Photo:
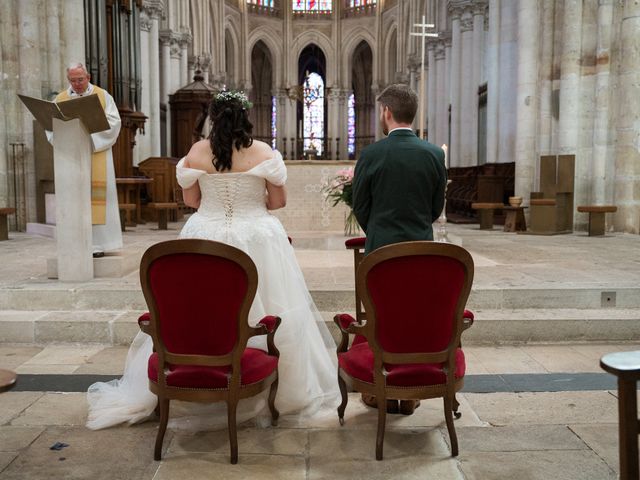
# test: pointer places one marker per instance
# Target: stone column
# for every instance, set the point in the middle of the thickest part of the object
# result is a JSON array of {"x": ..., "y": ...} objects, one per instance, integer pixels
[
  {"x": 153, "y": 126},
  {"x": 508, "y": 57},
  {"x": 142, "y": 150},
  {"x": 468, "y": 107},
  {"x": 478, "y": 10},
  {"x": 431, "y": 93},
  {"x": 55, "y": 78},
  {"x": 165, "y": 84},
  {"x": 454, "y": 87},
  {"x": 527, "y": 97},
  {"x": 176, "y": 63},
  {"x": 184, "y": 58},
  {"x": 545, "y": 125},
  {"x": 570, "y": 77},
  {"x": 493, "y": 80},
  {"x": 442, "y": 96},
  {"x": 603, "y": 165},
  {"x": 627, "y": 120}
]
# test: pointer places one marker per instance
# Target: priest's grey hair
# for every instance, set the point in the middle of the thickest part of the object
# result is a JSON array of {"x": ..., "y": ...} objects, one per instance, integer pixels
[{"x": 75, "y": 65}]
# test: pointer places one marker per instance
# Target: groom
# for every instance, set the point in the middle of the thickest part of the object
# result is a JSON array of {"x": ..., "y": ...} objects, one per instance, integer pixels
[{"x": 398, "y": 186}]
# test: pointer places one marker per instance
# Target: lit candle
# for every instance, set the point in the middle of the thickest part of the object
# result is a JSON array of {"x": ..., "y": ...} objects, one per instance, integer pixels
[{"x": 446, "y": 155}]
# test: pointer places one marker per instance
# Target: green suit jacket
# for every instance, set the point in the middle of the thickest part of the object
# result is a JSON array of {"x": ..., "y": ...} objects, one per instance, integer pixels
[{"x": 398, "y": 189}]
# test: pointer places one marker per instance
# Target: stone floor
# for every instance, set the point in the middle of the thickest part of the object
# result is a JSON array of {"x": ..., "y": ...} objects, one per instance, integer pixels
[{"x": 530, "y": 411}]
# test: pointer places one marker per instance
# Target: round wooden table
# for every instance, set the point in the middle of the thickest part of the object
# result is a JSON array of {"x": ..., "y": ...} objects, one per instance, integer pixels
[{"x": 7, "y": 380}]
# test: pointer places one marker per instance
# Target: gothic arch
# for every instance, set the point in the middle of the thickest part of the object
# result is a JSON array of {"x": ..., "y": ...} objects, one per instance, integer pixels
[
  {"x": 350, "y": 44},
  {"x": 232, "y": 51},
  {"x": 391, "y": 56},
  {"x": 267, "y": 36},
  {"x": 323, "y": 43},
  {"x": 261, "y": 91}
]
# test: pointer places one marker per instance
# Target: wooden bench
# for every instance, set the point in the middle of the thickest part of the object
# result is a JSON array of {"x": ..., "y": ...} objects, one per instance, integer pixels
[
  {"x": 163, "y": 209},
  {"x": 485, "y": 212},
  {"x": 596, "y": 217},
  {"x": 4, "y": 222},
  {"x": 124, "y": 208},
  {"x": 514, "y": 220}
]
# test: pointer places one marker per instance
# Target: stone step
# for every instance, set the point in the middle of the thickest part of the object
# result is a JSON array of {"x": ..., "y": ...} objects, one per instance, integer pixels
[
  {"x": 128, "y": 296},
  {"x": 504, "y": 326}
]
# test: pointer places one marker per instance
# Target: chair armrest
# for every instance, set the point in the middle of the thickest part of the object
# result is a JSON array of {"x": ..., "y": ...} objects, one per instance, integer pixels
[
  {"x": 144, "y": 322},
  {"x": 354, "y": 243},
  {"x": 467, "y": 319},
  {"x": 270, "y": 322},
  {"x": 348, "y": 325}
]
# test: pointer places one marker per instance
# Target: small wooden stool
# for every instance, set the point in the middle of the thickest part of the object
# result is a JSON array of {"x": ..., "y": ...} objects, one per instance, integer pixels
[
  {"x": 125, "y": 207},
  {"x": 626, "y": 366},
  {"x": 596, "y": 217},
  {"x": 4, "y": 222},
  {"x": 162, "y": 209},
  {"x": 485, "y": 212},
  {"x": 7, "y": 380},
  {"x": 514, "y": 220}
]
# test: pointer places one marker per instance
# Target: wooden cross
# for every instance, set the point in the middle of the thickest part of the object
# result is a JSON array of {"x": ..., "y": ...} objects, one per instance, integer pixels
[{"x": 424, "y": 25}]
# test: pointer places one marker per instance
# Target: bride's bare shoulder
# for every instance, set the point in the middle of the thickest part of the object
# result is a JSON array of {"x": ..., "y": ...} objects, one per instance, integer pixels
[
  {"x": 199, "y": 155},
  {"x": 261, "y": 151}
]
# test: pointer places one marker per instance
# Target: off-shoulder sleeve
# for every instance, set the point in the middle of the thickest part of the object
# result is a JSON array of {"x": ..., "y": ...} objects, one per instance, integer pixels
[
  {"x": 187, "y": 176},
  {"x": 273, "y": 170}
]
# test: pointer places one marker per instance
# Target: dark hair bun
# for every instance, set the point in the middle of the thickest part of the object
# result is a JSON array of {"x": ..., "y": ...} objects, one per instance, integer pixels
[{"x": 231, "y": 127}]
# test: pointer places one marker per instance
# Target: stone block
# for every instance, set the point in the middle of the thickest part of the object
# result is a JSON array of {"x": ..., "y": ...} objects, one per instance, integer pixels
[{"x": 74, "y": 326}]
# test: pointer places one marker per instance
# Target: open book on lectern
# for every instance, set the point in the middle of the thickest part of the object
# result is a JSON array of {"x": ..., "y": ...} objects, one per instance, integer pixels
[{"x": 87, "y": 108}]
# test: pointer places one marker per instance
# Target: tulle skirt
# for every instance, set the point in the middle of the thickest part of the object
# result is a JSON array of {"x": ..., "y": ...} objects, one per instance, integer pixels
[{"x": 307, "y": 366}]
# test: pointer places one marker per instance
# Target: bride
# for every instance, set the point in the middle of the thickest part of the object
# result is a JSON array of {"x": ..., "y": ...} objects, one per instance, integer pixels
[{"x": 234, "y": 181}]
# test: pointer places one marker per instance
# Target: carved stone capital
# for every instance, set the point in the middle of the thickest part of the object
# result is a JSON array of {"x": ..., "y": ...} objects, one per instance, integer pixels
[
  {"x": 466, "y": 21},
  {"x": 153, "y": 8},
  {"x": 145, "y": 21}
]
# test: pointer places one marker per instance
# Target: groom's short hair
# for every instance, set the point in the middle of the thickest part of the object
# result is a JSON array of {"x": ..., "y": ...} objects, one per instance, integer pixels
[{"x": 401, "y": 100}]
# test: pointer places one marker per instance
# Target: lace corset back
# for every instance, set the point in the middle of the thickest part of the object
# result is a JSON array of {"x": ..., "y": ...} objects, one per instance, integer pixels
[{"x": 230, "y": 195}]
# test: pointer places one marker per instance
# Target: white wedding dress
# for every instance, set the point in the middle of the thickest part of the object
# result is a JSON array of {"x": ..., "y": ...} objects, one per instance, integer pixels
[{"x": 232, "y": 210}]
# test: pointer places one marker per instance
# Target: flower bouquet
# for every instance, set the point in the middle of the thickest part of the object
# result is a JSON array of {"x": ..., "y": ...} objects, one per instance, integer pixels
[{"x": 340, "y": 189}]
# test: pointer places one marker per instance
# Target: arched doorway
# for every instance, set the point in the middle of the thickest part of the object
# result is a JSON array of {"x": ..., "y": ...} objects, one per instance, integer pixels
[
  {"x": 261, "y": 81},
  {"x": 229, "y": 60},
  {"x": 363, "y": 98},
  {"x": 312, "y": 107}
]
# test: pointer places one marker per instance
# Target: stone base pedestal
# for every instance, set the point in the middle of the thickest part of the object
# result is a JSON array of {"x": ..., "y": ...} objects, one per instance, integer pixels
[{"x": 109, "y": 266}]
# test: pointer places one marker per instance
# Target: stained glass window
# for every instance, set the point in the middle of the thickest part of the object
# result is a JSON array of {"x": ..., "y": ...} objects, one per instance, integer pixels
[
  {"x": 311, "y": 5},
  {"x": 361, "y": 3},
  {"x": 351, "y": 125},
  {"x": 313, "y": 113},
  {"x": 274, "y": 128},
  {"x": 262, "y": 3}
]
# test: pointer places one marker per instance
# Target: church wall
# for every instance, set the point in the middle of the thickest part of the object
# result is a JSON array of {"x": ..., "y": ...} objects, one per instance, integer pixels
[{"x": 38, "y": 39}]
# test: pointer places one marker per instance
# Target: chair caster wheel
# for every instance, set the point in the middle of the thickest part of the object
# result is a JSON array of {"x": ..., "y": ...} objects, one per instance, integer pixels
[{"x": 341, "y": 419}]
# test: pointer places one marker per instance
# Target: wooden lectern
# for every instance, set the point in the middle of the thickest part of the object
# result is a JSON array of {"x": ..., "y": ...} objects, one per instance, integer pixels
[{"x": 72, "y": 123}]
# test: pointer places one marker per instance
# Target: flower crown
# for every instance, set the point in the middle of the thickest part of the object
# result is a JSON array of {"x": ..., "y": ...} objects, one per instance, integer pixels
[{"x": 233, "y": 95}]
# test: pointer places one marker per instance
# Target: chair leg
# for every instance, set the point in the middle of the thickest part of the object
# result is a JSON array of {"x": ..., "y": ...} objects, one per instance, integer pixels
[
  {"x": 382, "y": 419},
  {"x": 163, "y": 403},
  {"x": 456, "y": 406},
  {"x": 448, "y": 409},
  {"x": 233, "y": 432},
  {"x": 272, "y": 403},
  {"x": 345, "y": 398}
]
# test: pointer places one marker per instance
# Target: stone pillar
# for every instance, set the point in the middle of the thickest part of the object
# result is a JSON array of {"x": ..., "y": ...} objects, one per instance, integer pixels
[
  {"x": 527, "y": 97},
  {"x": 176, "y": 61},
  {"x": 454, "y": 87},
  {"x": 55, "y": 78},
  {"x": 627, "y": 115},
  {"x": 165, "y": 84},
  {"x": 142, "y": 149},
  {"x": 603, "y": 165},
  {"x": 153, "y": 126},
  {"x": 184, "y": 59},
  {"x": 545, "y": 124},
  {"x": 431, "y": 94},
  {"x": 493, "y": 80},
  {"x": 468, "y": 107},
  {"x": 442, "y": 95},
  {"x": 570, "y": 77},
  {"x": 508, "y": 57},
  {"x": 281, "y": 124}
]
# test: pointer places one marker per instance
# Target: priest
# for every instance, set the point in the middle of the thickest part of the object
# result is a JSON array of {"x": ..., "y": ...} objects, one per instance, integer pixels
[{"x": 104, "y": 196}]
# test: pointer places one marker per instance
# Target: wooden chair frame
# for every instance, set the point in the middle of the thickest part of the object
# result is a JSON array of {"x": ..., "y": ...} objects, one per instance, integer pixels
[
  {"x": 235, "y": 390},
  {"x": 381, "y": 357}
]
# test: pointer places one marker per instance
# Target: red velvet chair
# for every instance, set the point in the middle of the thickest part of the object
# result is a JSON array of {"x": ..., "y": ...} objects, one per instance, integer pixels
[
  {"x": 414, "y": 294},
  {"x": 199, "y": 293}
]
